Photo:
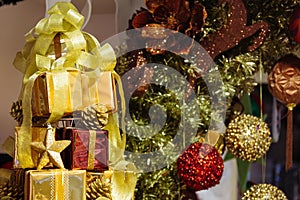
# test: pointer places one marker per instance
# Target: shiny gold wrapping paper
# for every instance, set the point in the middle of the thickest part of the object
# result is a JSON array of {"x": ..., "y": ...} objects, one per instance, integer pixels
[
  {"x": 106, "y": 91},
  {"x": 38, "y": 135},
  {"x": 84, "y": 89},
  {"x": 55, "y": 184}
]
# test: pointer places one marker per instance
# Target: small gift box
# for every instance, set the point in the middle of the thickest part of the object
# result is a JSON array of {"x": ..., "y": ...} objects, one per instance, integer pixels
[
  {"x": 89, "y": 149},
  {"x": 55, "y": 184},
  {"x": 74, "y": 90}
]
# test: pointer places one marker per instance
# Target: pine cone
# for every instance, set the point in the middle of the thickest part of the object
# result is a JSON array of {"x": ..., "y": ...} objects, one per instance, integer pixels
[
  {"x": 8, "y": 191},
  {"x": 16, "y": 111},
  {"x": 94, "y": 117},
  {"x": 98, "y": 188}
]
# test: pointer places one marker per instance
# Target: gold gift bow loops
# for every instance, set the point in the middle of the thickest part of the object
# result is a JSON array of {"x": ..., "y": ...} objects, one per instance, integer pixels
[
  {"x": 76, "y": 41},
  {"x": 32, "y": 62},
  {"x": 63, "y": 18},
  {"x": 105, "y": 54}
]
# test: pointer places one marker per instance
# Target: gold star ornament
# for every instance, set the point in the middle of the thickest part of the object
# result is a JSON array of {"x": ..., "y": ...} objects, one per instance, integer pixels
[{"x": 50, "y": 149}]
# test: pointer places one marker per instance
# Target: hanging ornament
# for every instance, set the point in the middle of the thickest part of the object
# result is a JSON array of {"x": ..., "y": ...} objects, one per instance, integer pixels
[
  {"x": 200, "y": 166},
  {"x": 264, "y": 191},
  {"x": 294, "y": 25},
  {"x": 284, "y": 85},
  {"x": 247, "y": 137}
]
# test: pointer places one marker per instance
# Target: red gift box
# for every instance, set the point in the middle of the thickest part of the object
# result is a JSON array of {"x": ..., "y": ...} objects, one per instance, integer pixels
[{"x": 89, "y": 149}]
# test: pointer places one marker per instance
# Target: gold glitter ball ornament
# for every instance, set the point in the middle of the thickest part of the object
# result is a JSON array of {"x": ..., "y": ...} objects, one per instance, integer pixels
[
  {"x": 264, "y": 191},
  {"x": 247, "y": 137}
]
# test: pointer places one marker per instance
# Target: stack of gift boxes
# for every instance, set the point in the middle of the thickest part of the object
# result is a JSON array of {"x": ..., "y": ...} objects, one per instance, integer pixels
[{"x": 68, "y": 142}]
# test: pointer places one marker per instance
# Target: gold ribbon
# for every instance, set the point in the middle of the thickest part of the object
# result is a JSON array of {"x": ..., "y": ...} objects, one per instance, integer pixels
[
  {"x": 65, "y": 19},
  {"x": 91, "y": 150},
  {"x": 123, "y": 180},
  {"x": 59, "y": 86},
  {"x": 25, "y": 137},
  {"x": 117, "y": 141},
  {"x": 124, "y": 176},
  {"x": 33, "y": 61},
  {"x": 54, "y": 186},
  {"x": 59, "y": 186}
]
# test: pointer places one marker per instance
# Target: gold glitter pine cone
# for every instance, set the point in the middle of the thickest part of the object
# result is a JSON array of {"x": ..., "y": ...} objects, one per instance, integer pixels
[
  {"x": 94, "y": 117},
  {"x": 247, "y": 137},
  {"x": 8, "y": 191},
  {"x": 264, "y": 191},
  {"x": 98, "y": 188}
]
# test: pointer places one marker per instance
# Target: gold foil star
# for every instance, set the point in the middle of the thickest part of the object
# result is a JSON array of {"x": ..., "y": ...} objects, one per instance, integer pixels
[{"x": 50, "y": 150}]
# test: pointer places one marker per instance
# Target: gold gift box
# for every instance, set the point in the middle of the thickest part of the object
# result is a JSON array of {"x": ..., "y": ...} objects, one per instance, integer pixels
[
  {"x": 55, "y": 184},
  {"x": 84, "y": 89},
  {"x": 38, "y": 135}
]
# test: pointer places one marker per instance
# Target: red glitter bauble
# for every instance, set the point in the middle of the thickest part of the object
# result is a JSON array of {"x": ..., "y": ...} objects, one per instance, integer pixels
[
  {"x": 200, "y": 166},
  {"x": 295, "y": 25}
]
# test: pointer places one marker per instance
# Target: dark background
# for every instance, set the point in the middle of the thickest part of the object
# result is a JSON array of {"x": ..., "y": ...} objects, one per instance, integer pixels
[{"x": 276, "y": 174}]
